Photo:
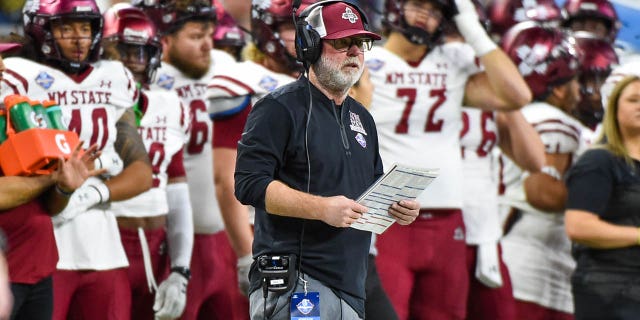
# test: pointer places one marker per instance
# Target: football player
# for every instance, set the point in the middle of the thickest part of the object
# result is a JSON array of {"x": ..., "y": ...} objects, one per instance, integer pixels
[
  {"x": 228, "y": 36},
  {"x": 504, "y": 14},
  {"x": 26, "y": 206},
  {"x": 597, "y": 59},
  {"x": 596, "y": 16},
  {"x": 129, "y": 36},
  {"x": 420, "y": 87},
  {"x": 535, "y": 247},
  {"x": 270, "y": 63},
  {"x": 188, "y": 63},
  {"x": 96, "y": 97},
  {"x": 490, "y": 292}
]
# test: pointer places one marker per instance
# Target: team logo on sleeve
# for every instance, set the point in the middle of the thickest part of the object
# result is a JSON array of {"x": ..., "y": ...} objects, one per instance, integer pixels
[
  {"x": 166, "y": 81},
  {"x": 44, "y": 80},
  {"x": 268, "y": 83},
  {"x": 374, "y": 64}
]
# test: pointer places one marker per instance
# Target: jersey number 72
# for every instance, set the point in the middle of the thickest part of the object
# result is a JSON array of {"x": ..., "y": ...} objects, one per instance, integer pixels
[{"x": 431, "y": 125}]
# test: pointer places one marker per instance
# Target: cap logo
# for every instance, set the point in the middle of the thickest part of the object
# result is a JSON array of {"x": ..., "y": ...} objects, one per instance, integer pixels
[{"x": 349, "y": 15}]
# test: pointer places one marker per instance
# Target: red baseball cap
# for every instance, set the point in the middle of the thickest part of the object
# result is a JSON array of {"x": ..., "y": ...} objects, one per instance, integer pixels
[
  {"x": 338, "y": 20},
  {"x": 4, "y": 47}
]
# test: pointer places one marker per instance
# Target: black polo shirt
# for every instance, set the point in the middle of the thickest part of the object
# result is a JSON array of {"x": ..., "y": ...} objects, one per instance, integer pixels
[{"x": 344, "y": 160}]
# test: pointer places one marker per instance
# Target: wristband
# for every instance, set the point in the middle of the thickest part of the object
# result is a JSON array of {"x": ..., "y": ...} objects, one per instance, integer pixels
[
  {"x": 103, "y": 191},
  {"x": 638, "y": 240},
  {"x": 183, "y": 271},
  {"x": 552, "y": 171},
  {"x": 63, "y": 193}
]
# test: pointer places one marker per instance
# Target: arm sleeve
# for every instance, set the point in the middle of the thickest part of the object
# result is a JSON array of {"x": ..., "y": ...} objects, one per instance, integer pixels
[
  {"x": 261, "y": 151},
  {"x": 179, "y": 224},
  {"x": 590, "y": 182}
]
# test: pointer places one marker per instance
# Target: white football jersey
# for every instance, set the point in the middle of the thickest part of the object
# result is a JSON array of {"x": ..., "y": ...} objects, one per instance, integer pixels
[
  {"x": 478, "y": 138},
  {"x": 91, "y": 106},
  {"x": 244, "y": 78},
  {"x": 164, "y": 131},
  {"x": 198, "y": 158},
  {"x": 559, "y": 132},
  {"x": 537, "y": 249},
  {"x": 418, "y": 110}
]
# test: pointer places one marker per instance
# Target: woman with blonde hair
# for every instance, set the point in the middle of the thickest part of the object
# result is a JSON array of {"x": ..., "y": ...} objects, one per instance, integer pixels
[{"x": 603, "y": 213}]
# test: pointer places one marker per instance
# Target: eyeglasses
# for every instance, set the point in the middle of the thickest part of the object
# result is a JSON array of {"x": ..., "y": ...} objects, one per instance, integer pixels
[{"x": 343, "y": 44}]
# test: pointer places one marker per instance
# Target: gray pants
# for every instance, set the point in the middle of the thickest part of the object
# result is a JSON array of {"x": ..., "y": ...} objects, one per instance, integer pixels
[{"x": 278, "y": 305}]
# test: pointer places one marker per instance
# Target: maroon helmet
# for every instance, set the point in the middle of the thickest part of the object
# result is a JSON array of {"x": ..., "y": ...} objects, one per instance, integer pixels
[
  {"x": 597, "y": 58},
  {"x": 597, "y": 9},
  {"x": 596, "y": 55},
  {"x": 128, "y": 25},
  {"x": 170, "y": 15},
  {"x": 266, "y": 17},
  {"x": 394, "y": 20},
  {"x": 546, "y": 57},
  {"x": 38, "y": 17},
  {"x": 228, "y": 33},
  {"x": 504, "y": 14}
]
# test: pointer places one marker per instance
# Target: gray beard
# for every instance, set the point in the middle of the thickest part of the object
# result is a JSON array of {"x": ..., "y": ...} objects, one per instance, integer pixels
[{"x": 332, "y": 78}]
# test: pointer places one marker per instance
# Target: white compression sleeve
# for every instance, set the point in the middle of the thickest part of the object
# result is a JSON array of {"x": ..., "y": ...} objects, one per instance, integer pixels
[{"x": 179, "y": 224}]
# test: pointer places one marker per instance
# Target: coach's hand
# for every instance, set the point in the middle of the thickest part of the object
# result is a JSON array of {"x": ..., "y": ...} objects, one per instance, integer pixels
[
  {"x": 405, "y": 211},
  {"x": 171, "y": 297},
  {"x": 341, "y": 212}
]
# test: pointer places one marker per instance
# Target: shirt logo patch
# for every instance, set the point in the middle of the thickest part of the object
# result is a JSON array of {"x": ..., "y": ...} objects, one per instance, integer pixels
[
  {"x": 361, "y": 140},
  {"x": 165, "y": 81},
  {"x": 374, "y": 64},
  {"x": 356, "y": 124},
  {"x": 44, "y": 80},
  {"x": 268, "y": 83}
]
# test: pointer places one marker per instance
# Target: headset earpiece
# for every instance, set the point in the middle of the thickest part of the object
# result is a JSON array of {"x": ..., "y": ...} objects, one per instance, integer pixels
[{"x": 308, "y": 43}]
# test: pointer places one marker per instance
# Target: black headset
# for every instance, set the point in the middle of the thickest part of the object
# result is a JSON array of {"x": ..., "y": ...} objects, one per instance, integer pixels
[{"x": 308, "y": 41}]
